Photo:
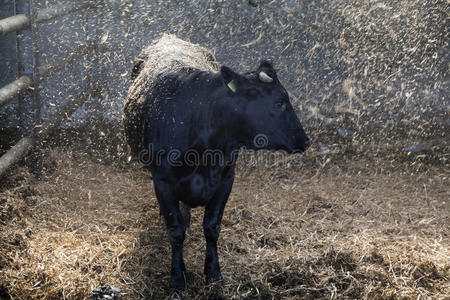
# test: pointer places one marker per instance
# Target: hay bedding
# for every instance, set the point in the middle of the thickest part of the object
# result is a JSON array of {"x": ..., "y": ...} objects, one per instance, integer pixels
[{"x": 339, "y": 235}]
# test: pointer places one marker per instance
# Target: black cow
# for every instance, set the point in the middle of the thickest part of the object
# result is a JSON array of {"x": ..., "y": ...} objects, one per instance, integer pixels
[{"x": 194, "y": 124}]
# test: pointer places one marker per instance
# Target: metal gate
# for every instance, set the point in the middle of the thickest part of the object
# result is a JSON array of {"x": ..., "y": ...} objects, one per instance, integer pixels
[{"x": 30, "y": 77}]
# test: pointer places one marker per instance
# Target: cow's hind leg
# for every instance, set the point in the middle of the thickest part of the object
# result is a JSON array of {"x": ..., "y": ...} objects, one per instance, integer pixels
[
  {"x": 186, "y": 213},
  {"x": 211, "y": 228},
  {"x": 176, "y": 229}
]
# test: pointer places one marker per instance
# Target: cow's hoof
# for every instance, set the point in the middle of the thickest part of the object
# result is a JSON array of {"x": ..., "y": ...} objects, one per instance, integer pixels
[
  {"x": 176, "y": 294},
  {"x": 177, "y": 285},
  {"x": 213, "y": 279}
]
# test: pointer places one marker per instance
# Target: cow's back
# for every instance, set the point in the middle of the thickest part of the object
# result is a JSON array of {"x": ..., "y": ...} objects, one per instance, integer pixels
[{"x": 152, "y": 80}]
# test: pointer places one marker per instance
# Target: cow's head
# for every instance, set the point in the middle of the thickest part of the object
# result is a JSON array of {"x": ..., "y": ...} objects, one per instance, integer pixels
[{"x": 267, "y": 119}]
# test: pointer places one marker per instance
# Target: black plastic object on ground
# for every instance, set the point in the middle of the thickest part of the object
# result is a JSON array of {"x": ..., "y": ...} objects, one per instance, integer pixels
[{"x": 106, "y": 292}]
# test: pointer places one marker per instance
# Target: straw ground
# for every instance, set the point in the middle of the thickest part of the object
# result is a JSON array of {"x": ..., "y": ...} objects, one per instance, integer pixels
[{"x": 347, "y": 230}]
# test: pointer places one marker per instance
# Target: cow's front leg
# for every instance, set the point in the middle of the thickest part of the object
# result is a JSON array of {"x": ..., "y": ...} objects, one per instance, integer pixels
[
  {"x": 176, "y": 235},
  {"x": 176, "y": 228},
  {"x": 211, "y": 228}
]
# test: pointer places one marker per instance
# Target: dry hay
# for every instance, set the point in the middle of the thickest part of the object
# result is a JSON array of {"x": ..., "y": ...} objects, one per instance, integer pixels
[
  {"x": 363, "y": 233},
  {"x": 165, "y": 56}
]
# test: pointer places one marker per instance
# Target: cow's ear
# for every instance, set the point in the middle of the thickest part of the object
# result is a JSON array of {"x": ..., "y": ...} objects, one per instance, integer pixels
[
  {"x": 230, "y": 78},
  {"x": 228, "y": 74},
  {"x": 266, "y": 67},
  {"x": 265, "y": 64}
]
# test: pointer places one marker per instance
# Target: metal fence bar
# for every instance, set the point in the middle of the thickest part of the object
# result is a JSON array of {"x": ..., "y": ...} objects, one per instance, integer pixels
[
  {"x": 14, "y": 154},
  {"x": 9, "y": 91},
  {"x": 20, "y": 149},
  {"x": 59, "y": 63},
  {"x": 57, "y": 11},
  {"x": 36, "y": 76},
  {"x": 20, "y": 71},
  {"x": 67, "y": 110},
  {"x": 14, "y": 23},
  {"x": 22, "y": 21}
]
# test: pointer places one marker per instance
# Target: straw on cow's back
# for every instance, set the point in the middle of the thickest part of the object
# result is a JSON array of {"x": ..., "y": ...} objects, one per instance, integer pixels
[{"x": 163, "y": 57}]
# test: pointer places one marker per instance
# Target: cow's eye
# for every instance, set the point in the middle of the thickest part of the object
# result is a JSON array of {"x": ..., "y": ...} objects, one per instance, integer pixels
[{"x": 281, "y": 106}]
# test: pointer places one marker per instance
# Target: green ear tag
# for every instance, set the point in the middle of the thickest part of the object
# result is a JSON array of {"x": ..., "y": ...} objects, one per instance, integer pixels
[{"x": 232, "y": 86}]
